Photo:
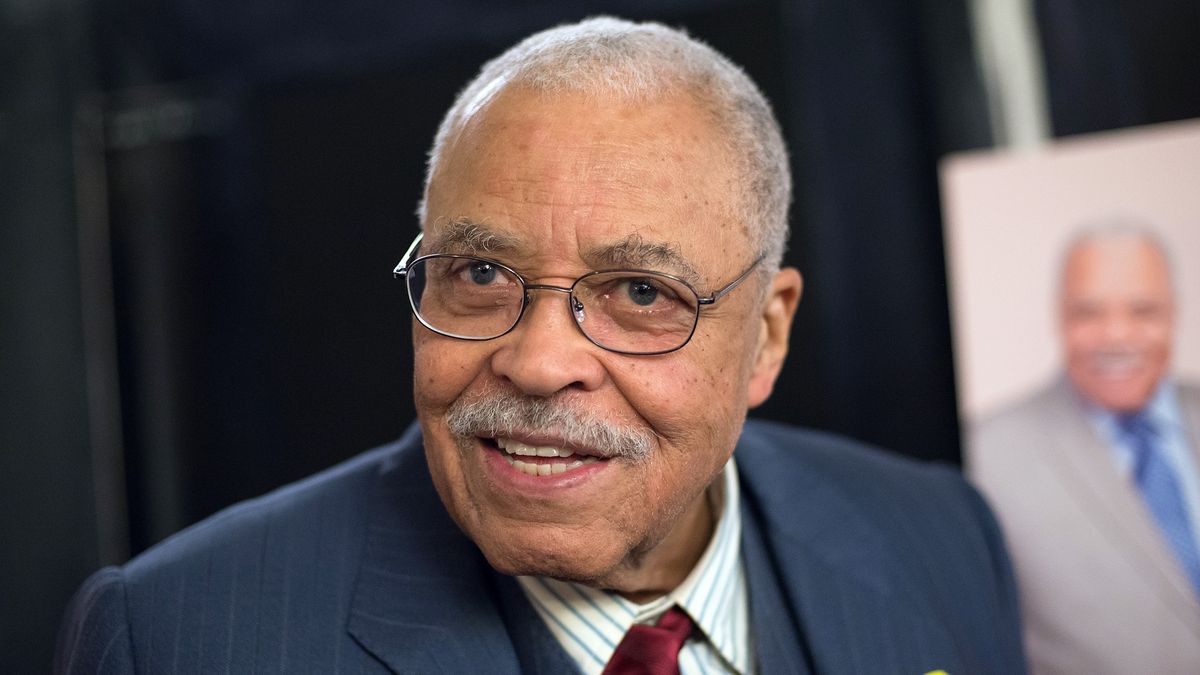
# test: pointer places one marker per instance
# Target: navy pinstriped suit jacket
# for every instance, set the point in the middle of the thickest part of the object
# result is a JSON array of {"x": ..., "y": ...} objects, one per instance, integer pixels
[{"x": 857, "y": 562}]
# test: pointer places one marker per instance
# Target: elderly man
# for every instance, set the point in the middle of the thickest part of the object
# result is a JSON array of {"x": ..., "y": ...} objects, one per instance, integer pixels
[
  {"x": 1094, "y": 477},
  {"x": 598, "y": 300}
]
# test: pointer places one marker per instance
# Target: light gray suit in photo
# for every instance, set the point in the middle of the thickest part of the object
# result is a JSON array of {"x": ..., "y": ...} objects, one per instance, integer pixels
[{"x": 1100, "y": 590}]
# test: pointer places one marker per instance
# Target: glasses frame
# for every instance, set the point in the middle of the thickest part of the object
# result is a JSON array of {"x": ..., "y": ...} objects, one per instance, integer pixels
[{"x": 573, "y": 304}]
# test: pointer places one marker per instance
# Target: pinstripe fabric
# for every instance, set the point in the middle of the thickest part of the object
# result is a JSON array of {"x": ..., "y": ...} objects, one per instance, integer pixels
[
  {"x": 590, "y": 623},
  {"x": 261, "y": 587}
]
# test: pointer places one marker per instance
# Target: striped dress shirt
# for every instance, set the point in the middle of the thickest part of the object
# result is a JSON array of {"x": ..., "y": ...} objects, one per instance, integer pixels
[{"x": 590, "y": 623}]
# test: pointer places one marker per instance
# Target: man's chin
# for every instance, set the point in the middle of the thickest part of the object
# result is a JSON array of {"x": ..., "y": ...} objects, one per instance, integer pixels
[
  {"x": 589, "y": 567},
  {"x": 1122, "y": 398},
  {"x": 1116, "y": 392}
]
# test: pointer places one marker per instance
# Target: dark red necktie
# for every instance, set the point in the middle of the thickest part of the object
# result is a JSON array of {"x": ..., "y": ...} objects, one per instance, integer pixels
[{"x": 652, "y": 650}]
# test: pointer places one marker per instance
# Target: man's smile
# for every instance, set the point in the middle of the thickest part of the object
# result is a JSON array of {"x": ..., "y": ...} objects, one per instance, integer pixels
[
  {"x": 542, "y": 460},
  {"x": 1116, "y": 365},
  {"x": 541, "y": 469}
]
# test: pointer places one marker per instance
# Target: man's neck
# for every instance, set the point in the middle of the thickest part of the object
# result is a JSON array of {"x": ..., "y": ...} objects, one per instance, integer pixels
[{"x": 664, "y": 568}]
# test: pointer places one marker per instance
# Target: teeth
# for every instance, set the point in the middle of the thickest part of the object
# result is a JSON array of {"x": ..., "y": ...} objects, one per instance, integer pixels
[
  {"x": 514, "y": 449},
  {"x": 1116, "y": 364},
  {"x": 534, "y": 469},
  {"x": 517, "y": 448}
]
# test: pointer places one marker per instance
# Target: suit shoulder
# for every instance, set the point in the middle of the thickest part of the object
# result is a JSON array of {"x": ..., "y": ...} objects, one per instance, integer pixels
[
  {"x": 94, "y": 636},
  {"x": 793, "y": 453},
  {"x": 1189, "y": 393},
  {"x": 219, "y": 591},
  {"x": 312, "y": 508},
  {"x": 916, "y": 532},
  {"x": 1007, "y": 442},
  {"x": 1021, "y": 422},
  {"x": 1028, "y": 409},
  {"x": 897, "y": 501}
]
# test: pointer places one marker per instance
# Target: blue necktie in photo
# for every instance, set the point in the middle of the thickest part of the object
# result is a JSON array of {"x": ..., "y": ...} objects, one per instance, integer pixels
[{"x": 1162, "y": 493}]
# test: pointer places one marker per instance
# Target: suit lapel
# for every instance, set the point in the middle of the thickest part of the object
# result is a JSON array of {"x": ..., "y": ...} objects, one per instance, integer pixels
[
  {"x": 1189, "y": 408},
  {"x": 537, "y": 649},
  {"x": 423, "y": 602},
  {"x": 824, "y": 597},
  {"x": 778, "y": 642},
  {"x": 1086, "y": 471}
]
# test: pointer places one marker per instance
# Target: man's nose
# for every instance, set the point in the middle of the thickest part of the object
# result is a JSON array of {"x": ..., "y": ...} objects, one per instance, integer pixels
[
  {"x": 546, "y": 352},
  {"x": 1118, "y": 326}
]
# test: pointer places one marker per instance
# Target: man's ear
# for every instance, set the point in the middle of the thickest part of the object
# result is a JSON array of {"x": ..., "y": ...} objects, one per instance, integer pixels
[{"x": 776, "y": 326}]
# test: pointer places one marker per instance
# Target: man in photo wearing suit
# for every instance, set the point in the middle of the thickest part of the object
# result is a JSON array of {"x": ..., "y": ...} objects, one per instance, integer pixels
[
  {"x": 1094, "y": 478},
  {"x": 598, "y": 300}
]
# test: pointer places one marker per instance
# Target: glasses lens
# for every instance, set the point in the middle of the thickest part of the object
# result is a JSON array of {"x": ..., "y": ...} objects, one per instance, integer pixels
[
  {"x": 464, "y": 297},
  {"x": 635, "y": 312}
]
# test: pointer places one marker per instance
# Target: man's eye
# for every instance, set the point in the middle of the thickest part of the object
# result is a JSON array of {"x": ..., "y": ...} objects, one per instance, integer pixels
[
  {"x": 482, "y": 273},
  {"x": 1148, "y": 310},
  {"x": 1083, "y": 312},
  {"x": 642, "y": 291}
]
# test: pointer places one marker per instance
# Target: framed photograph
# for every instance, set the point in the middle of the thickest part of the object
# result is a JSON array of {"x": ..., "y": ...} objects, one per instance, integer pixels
[{"x": 1009, "y": 216}]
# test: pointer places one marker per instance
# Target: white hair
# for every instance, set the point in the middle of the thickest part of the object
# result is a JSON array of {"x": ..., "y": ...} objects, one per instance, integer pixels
[
  {"x": 1114, "y": 228},
  {"x": 636, "y": 62}
]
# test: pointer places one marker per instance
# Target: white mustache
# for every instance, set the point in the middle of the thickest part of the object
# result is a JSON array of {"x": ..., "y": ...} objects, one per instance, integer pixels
[{"x": 502, "y": 414}]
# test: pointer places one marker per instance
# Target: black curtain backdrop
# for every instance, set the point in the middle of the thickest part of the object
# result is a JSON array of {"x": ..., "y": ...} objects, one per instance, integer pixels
[
  {"x": 1119, "y": 63},
  {"x": 202, "y": 203}
]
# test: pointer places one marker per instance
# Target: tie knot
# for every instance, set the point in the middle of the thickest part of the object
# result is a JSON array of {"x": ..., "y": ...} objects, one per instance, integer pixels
[
  {"x": 1143, "y": 440},
  {"x": 676, "y": 623},
  {"x": 1137, "y": 425},
  {"x": 652, "y": 650}
]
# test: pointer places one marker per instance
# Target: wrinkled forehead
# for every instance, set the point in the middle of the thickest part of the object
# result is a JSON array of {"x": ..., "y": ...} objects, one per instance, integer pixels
[{"x": 644, "y": 186}]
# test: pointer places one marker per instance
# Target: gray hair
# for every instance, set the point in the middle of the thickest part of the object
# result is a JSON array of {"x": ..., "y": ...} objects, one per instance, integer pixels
[
  {"x": 641, "y": 62},
  {"x": 1112, "y": 228}
]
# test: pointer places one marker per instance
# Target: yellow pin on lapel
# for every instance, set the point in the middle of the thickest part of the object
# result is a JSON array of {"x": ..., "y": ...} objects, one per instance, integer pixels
[{"x": 937, "y": 672}]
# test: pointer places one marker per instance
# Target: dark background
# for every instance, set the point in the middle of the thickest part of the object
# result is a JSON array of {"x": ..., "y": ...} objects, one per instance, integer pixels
[{"x": 201, "y": 202}]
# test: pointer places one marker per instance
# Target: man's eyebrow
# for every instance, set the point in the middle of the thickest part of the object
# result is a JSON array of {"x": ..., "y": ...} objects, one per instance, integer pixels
[
  {"x": 467, "y": 237},
  {"x": 634, "y": 252}
]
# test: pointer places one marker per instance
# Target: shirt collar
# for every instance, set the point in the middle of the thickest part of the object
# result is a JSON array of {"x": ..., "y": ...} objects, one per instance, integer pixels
[
  {"x": 1162, "y": 411},
  {"x": 589, "y": 623}
]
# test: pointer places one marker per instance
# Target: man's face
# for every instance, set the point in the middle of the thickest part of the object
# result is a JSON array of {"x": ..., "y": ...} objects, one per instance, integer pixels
[
  {"x": 1116, "y": 315},
  {"x": 569, "y": 185}
]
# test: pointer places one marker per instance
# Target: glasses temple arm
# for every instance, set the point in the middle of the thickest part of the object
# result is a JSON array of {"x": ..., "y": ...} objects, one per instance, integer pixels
[
  {"x": 731, "y": 285},
  {"x": 402, "y": 267}
]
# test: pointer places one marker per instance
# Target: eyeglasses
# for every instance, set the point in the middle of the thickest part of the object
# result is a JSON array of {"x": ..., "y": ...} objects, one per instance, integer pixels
[{"x": 638, "y": 312}]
